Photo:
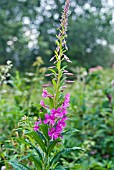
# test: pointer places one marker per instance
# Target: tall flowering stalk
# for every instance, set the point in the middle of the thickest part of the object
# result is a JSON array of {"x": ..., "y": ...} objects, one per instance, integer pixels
[
  {"x": 49, "y": 129},
  {"x": 57, "y": 110}
]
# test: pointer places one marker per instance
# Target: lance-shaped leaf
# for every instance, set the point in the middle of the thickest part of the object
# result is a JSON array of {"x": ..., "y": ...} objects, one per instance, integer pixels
[
  {"x": 35, "y": 148},
  {"x": 70, "y": 131},
  {"x": 38, "y": 139},
  {"x": 52, "y": 145},
  {"x": 66, "y": 150},
  {"x": 42, "y": 136},
  {"x": 18, "y": 166},
  {"x": 52, "y": 70},
  {"x": 54, "y": 83},
  {"x": 44, "y": 129},
  {"x": 51, "y": 102},
  {"x": 36, "y": 162}
]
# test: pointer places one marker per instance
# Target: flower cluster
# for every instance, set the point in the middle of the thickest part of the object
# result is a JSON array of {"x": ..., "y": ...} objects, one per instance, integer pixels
[{"x": 56, "y": 119}]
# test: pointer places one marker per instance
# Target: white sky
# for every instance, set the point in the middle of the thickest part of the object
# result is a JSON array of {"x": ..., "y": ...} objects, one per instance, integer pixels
[{"x": 110, "y": 2}]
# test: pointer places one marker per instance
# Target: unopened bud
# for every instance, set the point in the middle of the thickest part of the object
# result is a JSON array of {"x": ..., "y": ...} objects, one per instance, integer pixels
[{"x": 69, "y": 81}]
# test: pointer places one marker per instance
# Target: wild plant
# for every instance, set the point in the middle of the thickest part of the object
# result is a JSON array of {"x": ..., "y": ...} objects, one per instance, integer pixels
[{"x": 46, "y": 137}]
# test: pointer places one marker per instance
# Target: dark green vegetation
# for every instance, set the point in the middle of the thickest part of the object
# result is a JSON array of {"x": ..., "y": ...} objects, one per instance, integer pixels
[
  {"x": 28, "y": 29},
  {"x": 91, "y": 112}
]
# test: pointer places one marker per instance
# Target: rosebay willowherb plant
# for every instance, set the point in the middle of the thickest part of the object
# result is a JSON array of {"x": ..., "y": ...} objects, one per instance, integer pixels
[{"x": 47, "y": 134}]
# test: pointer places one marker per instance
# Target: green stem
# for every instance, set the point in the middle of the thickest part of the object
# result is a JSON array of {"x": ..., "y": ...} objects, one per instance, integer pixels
[{"x": 59, "y": 76}]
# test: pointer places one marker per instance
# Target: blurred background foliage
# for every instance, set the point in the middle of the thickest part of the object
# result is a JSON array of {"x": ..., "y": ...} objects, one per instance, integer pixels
[{"x": 28, "y": 28}]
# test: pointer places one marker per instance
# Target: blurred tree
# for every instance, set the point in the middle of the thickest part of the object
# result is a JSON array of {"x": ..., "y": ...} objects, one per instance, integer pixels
[
  {"x": 16, "y": 25},
  {"x": 90, "y": 32},
  {"x": 28, "y": 29}
]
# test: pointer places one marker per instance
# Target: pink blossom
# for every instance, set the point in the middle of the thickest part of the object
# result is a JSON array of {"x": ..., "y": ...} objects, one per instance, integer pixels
[
  {"x": 49, "y": 119},
  {"x": 36, "y": 126},
  {"x": 57, "y": 113},
  {"x": 62, "y": 122},
  {"x": 54, "y": 133},
  {"x": 66, "y": 101},
  {"x": 45, "y": 93},
  {"x": 64, "y": 111},
  {"x": 65, "y": 104},
  {"x": 67, "y": 97},
  {"x": 42, "y": 103},
  {"x": 93, "y": 69}
]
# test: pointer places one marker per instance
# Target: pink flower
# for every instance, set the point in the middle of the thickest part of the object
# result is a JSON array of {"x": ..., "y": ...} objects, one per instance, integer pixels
[
  {"x": 54, "y": 133},
  {"x": 67, "y": 97},
  {"x": 49, "y": 119},
  {"x": 64, "y": 111},
  {"x": 93, "y": 69},
  {"x": 45, "y": 93},
  {"x": 57, "y": 113},
  {"x": 66, "y": 101},
  {"x": 36, "y": 126},
  {"x": 42, "y": 103},
  {"x": 62, "y": 122}
]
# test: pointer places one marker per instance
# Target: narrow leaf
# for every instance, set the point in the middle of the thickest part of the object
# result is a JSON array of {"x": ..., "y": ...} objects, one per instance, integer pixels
[
  {"x": 36, "y": 149},
  {"x": 51, "y": 102},
  {"x": 52, "y": 145},
  {"x": 66, "y": 150},
  {"x": 52, "y": 70},
  {"x": 44, "y": 129},
  {"x": 18, "y": 166},
  {"x": 36, "y": 162},
  {"x": 38, "y": 139}
]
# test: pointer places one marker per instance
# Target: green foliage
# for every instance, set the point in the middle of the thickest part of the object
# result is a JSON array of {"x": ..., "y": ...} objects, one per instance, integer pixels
[{"x": 92, "y": 114}]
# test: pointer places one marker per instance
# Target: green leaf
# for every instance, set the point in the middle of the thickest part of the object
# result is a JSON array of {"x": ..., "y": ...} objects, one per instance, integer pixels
[
  {"x": 38, "y": 139},
  {"x": 70, "y": 131},
  {"x": 77, "y": 167},
  {"x": 58, "y": 65},
  {"x": 66, "y": 150},
  {"x": 44, "y": 129},
  {"x": 59, "y": 168},
  {"x": 54, "y": 83},
  {"x": 63, "y": 68},
  {"x": 42, "y": 136},
  {"x": 57, "y": 42},
  {"x": 61, "y": 73},
  {"x": 51, "y": 92},
  {"x": 51, "y": 102},
  {"x": 56, "y": 53},
  {"x": 36, "y": 149},
  {"x": 24, "y": 157},
  {"x": 52, "y": 145},
  {"x": 62, "y": 82},
  {"x": 52, "y": 70},
  {"x": 61, "y": 102},
  {"x": 18, "y": 166},
  {"x": 36, "y": 162}
]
